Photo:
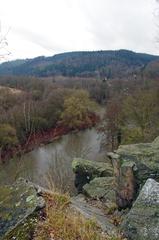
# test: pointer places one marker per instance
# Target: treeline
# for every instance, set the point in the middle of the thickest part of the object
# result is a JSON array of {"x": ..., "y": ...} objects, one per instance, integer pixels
[
  {"x": 29, "y": 106},
  {"x": 109, "y": 64},
  {"x": 96, "y": 87},
  {"x": 132, "y": 115}
]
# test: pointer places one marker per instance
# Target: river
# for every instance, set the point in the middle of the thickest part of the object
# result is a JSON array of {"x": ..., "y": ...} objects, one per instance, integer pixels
[{"x": 50, "y": 165}]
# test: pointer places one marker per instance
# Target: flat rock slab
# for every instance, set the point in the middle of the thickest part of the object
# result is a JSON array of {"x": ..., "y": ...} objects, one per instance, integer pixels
[
  {"x": 91, "y": 212},
  {"x": 146, "y": 158},
  {"x": 86, "y": 170},
  {"x": 17, "y": 203},
  {"x": 142, "y": 222},
  {"x": 101, "y": 188},
  {"x": 96, "y": 169}
]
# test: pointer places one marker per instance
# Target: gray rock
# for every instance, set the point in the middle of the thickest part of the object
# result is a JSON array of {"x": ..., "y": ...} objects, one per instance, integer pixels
[
  {"x": 18, "y": 205},
  {"x": 86, "y": 170},
  {"x": 142, "y": 222},
  {"x": 101, "y": 188},
  {"x": 113, "y": 155},
  {"x": 126, "y": 186},
  {"x": 146, "y": 158},
  {"x": 125, "y": 180},
  {"x": 40, "y": 203},
  {"x": 91, "y": 212}
]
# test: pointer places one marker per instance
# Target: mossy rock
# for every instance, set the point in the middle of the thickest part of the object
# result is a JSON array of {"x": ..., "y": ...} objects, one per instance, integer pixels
[
  {"x": 142, "y": 222},
  {"x": 19, "y": 205},
  {"x": 86, "y": 170},
  {"x": 101, "y": 188},
  {"x": 94, "y": 169},
  {"x": 146, "y": 158}
]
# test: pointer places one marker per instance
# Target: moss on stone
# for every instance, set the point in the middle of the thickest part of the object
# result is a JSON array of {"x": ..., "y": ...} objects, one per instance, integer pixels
[
  {"x": 101, "y": 188},
  {"x": 25, "y": 230},
  {"x": 18, "y": 208},
  {"x": 145, "y": 156},
  {"x": 95, "y": 169}
]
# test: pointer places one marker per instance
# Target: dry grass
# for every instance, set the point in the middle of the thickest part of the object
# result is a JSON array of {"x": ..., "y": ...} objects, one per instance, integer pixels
[{"x": 62, "y": 223}]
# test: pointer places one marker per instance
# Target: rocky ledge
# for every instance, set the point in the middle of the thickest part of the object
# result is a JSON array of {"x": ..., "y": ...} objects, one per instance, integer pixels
[
  {"x": 86, "y": 170},
  {"x": 129, "y": 181},
  {"x": 142, "y": 222},
  {"x": 19, "y": 209},
  {"x": 145, "y": 156},
  {"x": 122, "y": 194}
]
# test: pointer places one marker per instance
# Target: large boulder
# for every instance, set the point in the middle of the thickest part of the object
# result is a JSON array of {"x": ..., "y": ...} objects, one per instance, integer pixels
[
  {"x": 142, "y": 222},
  {"x": 86, "y": 170},
  {"x": 101, "y": 189},
  {"x": 19, "y": 208},
  {"x": 126, "y": 186},
  {"x": 146, "y": 158},
  {"x": 125, "y": 181}
]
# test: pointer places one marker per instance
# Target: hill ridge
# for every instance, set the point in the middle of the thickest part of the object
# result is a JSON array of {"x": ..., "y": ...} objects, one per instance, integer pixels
[{"x": 106, "y": 63}]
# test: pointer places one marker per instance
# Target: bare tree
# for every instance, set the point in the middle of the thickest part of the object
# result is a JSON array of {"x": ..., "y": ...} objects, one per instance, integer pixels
[{"x": 4, "y": 52}]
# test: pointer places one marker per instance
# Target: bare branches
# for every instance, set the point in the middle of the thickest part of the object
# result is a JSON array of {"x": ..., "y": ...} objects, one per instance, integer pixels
[{"x": 4, "y": 52}]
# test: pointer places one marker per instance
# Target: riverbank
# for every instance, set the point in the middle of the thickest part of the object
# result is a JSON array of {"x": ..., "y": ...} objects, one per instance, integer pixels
[{"x": 37, "y": 139}]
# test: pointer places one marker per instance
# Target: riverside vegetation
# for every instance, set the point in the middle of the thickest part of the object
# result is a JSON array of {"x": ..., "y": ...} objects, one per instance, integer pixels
[
  {"x": 119, "y": 201},
  {"x": 57, "y": 112},
  {"x": 37, "y": 109}
]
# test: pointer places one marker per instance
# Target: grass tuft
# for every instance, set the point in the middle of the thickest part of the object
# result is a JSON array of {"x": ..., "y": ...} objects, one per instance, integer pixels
[{"x": 63, "y": 223}]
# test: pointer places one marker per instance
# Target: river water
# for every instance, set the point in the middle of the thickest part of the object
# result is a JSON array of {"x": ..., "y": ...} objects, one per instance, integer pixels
[{"x": 50, "y": 165}]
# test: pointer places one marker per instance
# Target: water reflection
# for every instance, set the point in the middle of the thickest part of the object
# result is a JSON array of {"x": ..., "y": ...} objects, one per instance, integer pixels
[{"x": 50, "y": 165}]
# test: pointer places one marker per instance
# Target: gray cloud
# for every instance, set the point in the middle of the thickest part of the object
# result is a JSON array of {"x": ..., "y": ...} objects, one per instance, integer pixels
[
  {"x": 122, "y": 24},
  {"x": 53, "y": 26},
  {"x": 38, "y": 39}
]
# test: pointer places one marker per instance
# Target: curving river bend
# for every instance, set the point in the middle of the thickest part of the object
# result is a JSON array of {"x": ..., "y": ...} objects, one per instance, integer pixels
[{"x": 50, "y": 165}]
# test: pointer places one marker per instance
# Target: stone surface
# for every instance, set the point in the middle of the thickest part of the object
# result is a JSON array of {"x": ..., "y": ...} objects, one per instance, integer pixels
[
  {"x": 91, "y": 212},
  {"x": 125, "y": 181},
  {"x": 101, "y": 188},
  {"x": 146, "y": 158},
  {"x": 17, "y": 204},
  {"x": 86, "y": 170},
  {"x": 126, "y": 187},
  {"x": 142, "y": 222}
]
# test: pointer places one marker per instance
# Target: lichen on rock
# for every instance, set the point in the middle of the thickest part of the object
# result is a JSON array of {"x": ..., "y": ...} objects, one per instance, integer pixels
[
  {"x": 101, "y": 189},
  {"x": 86, "y": 170},
  {"x": 142, "y": 222},
  {"x": 18, "y": 209},
  {"x": 146, "y": 158}
]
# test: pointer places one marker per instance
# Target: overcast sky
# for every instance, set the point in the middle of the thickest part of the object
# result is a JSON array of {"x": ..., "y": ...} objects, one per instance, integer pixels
[{"x": 47, "y": 27}]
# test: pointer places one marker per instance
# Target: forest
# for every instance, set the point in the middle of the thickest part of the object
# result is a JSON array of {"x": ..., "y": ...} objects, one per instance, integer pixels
[
  {"x": 109, "y": 64},
  {"x": 32, "y": 107}
]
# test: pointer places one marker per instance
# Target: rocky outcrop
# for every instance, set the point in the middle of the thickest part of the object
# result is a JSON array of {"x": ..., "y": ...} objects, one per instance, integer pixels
[
  {"x": 86, "y": 170},
  {"x": 101, "y": 189},
  {"x": 19, "y": 209},
  {"x": 142, "y": 222},
  {"x": 96, "y": 180},
  {"x": 133, "y": 164},
  {"x": 125, "y": 181},
  {"x": 130, "y": 186},
  {"x": 146, "y": 159},
  {"x": 126, "y": 187}
]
